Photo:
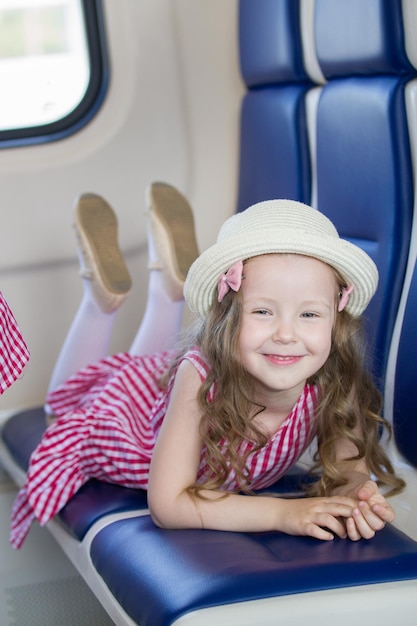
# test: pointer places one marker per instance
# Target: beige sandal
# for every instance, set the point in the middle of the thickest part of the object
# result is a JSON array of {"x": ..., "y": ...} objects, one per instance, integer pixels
[
  {"x": 96, "y": 230},
  {"x": 171, "y": 224}
]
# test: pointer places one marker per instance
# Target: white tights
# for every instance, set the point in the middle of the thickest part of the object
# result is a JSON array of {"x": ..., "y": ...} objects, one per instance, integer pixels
[{"x": 88, "y": 338}]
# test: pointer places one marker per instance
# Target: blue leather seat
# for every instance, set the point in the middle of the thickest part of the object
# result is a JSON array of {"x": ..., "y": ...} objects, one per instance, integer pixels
[
  {"x": 363, "y": 160},
  {"x": 196, "y": 569},
  {"x": 159, "y": 575},
  {"x": 404, "y": 409},
  {"x": 274, "y": 151}
]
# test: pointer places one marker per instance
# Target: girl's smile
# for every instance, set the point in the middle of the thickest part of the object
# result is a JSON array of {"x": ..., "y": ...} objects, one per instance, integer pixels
[
  {"x": 282, "y": 360},
  {"x": 288, "y": 314}
]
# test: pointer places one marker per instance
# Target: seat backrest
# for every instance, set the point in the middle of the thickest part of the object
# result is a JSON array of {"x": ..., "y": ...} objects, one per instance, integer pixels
[
  {"x": 324, "y": 121},
  {"x": 363, "y": 161},
  {"x": 274, "y": 151}
]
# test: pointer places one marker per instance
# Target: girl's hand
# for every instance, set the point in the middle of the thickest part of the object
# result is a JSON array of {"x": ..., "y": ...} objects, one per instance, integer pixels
[
  {"x": 316, "y": 517},
  {"x": 371, "y": 514}
]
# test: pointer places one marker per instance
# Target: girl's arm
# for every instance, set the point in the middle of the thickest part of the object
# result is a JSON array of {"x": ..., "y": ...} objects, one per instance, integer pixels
[
  {"x": 373, "y": 510},
  {"x": 174, "y": 468}
]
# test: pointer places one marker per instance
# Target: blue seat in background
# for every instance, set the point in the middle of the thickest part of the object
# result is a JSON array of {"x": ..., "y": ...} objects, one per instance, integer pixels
[
  {"x": 363, "y": 161},
  {"x": 354, "y": 37},
  {"x": 404, "y": 408},
  {"x": 274, "y": 151},
  {"x": 365, "y": 186}
]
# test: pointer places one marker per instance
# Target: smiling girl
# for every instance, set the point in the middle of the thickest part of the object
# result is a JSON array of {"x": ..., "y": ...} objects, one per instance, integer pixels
[{"x": 272, "y": 364}]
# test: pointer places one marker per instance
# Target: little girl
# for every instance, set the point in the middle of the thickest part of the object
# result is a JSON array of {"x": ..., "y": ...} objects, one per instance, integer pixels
[
  {"x": 14, "y": 353},
  {"x": 272, "y": 363}
]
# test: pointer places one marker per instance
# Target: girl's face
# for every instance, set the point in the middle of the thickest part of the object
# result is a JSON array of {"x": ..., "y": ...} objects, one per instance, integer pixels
[{"x": 289, "y": 304}]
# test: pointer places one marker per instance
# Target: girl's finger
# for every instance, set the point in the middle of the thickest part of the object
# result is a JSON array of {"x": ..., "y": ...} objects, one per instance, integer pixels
[
  {"x": 376, "y": 519},
  {"x": 352, "y": 531},
  {"x": 363, "y": 527}
]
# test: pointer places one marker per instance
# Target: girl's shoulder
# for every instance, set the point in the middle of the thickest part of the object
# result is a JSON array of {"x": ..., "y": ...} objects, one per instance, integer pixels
[
  {"x": 198, "y": 360},
  {"x": 199, "y": 363}
]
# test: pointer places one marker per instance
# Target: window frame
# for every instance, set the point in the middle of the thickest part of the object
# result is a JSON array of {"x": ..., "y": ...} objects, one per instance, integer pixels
[{"x": 94, "y": 95}]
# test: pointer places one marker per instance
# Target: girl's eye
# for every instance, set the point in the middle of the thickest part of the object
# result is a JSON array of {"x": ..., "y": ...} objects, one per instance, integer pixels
[
  {"x": 309, "y": 314},
  {"x": 261, "y": 312}
]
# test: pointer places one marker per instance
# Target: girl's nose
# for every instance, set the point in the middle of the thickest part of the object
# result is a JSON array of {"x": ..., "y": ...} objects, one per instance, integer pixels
[{"x": 283, "y": 332}]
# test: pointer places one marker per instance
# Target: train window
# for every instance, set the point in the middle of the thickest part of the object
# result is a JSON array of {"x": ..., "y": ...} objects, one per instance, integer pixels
[{"x": 53, "y": 68}]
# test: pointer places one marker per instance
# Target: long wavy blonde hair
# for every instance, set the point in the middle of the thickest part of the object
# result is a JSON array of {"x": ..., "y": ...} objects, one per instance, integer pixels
[{"x": 349, "y": 402}]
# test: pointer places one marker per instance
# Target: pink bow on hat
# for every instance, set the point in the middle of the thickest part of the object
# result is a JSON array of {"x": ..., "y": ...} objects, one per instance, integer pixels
[
  {"x": 232, "y": 279},
  {"x": 344, "y": 297}
]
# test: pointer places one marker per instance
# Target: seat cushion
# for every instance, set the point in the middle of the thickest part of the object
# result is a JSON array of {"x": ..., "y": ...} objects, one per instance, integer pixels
[{"x": 158, "y": 575}]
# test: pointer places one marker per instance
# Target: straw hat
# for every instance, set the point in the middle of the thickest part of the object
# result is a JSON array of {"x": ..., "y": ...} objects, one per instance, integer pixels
[{"x": 276, "y": 226}]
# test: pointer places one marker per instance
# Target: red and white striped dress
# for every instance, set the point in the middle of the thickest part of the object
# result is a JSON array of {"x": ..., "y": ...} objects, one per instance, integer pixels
[
  {"x": 14, "y": 353},
  {"x": 109, "y": 416}
]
